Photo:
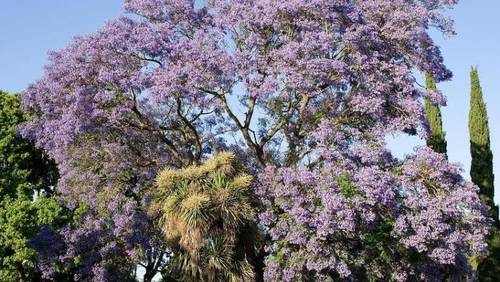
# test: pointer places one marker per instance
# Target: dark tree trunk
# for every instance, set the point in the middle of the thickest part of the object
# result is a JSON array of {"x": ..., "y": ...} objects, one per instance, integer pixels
[
  {"x": 22, "y": 272},
  {"x": 258, "y": 266},
  {"x": 150, "y": 272},
  {"x": 148, "y": 277}
]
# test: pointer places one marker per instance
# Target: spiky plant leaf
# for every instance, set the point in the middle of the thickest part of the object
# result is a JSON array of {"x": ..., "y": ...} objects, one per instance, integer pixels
[
  {"x": 206, "y": 213},
  {"x": 193, "y": 209}
]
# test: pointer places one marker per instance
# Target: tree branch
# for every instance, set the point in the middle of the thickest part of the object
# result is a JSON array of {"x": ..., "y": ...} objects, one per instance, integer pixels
[
  {"x": 145, "y": 124},
  {"x": 249, "y": 114},
  {"x": 278, "y": 126},
  {"x": 195, "y": 135}
]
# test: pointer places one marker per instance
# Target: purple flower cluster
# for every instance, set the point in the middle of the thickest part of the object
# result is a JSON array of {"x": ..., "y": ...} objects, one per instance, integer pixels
[{"x": 364, "y": 215}]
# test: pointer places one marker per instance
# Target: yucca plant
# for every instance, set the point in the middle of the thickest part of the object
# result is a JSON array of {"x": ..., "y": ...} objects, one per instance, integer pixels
[{"x": 207, "y": 214}]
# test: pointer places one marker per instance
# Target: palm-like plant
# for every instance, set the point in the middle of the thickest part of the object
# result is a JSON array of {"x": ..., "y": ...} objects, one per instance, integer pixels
[{"x": 207, "y": 213}]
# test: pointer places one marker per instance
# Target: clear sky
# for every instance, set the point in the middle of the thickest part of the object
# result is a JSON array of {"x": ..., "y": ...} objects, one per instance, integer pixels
[{"x": 29, "y": 28}]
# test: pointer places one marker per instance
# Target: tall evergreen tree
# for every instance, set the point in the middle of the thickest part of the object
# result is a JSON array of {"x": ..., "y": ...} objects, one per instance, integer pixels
[
  {"x": 482, "y": 173},
  {"x": 437, "y": 139},
  {"x": 481, "y": 170}
]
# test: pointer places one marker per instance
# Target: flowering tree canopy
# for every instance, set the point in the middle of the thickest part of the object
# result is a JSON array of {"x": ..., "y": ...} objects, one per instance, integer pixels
[{"x": 305, "y": 90}]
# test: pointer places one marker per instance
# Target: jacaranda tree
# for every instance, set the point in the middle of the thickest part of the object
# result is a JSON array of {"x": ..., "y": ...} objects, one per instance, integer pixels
[{"x": 305, "y": 91}]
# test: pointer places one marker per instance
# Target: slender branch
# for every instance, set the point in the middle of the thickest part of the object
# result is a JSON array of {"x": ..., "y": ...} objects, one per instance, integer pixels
[
  {"x": 193, "y": 130},
  {"x": 145, "y": 125},
  {"x": 254, "y": 135},
  {"x": 144, "y": 58},
  {"x": 159, "y": 260},
  {"x": 277, "y": 127},
  {"x": 230, "y": 112},
  {"x": 215, "y": 93},
  {"x": 147, "y": 59},
  {"x": 245, "y": 131},
  {"x": 304, "y": 102},
  {"x": 201, "y": 113}
]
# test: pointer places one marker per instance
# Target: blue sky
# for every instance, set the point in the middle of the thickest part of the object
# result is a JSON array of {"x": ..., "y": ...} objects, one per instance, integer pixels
[{"x": 29, "y": 28}]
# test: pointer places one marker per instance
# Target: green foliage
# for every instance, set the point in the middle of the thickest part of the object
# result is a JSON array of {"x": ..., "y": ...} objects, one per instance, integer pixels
[
  {"x": 24, "y": 173},
  {"x": 347, "y": 188},
  {"x": 489, "y": 269},
  {"x": 437, "y": 139},
  {"x": 481, "y": 172},
  {"x": 482, "y": 158},
  {"x": 20, "y": 220},
  {"x": 208, "y": 216}
]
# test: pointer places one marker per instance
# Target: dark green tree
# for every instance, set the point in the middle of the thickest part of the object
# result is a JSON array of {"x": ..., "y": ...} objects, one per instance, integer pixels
[
  {"x": 437, "y": 139},
  {"x": 27, "y": 180},
  {"x": 489, "y": 268},
  {"x": 481, "y": 172}
]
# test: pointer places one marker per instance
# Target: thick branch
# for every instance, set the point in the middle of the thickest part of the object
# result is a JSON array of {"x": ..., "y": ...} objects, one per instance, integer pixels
[
  {"x": 249, "y": 113},
  {"x": 245, "y": 130}
]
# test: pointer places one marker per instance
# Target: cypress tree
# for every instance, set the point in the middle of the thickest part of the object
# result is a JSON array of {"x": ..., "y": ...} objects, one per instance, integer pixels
[
  {"x": 481, "y": 170},
  {"x": 437, "y": 139}
]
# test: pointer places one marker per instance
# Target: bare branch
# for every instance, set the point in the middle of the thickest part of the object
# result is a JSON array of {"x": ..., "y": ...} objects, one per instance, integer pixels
[
  {"x": 192, "y": 128},
  {"x": 201, "y": 113},
  {"x": 137, "y": 56},
  {"x": 245, "y": 131},
  {"x": 278, "y": 126},
  {"x": 145, "y": 124}
]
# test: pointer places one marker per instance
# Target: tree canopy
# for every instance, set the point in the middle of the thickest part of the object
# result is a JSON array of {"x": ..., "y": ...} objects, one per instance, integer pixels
[
  {"x": 27, "y": 180},
  {"x": 303, "y": 92}
]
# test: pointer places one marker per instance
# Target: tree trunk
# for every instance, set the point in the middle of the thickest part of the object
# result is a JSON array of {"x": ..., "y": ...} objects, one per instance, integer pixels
[
  {"x": 258, "y": 266},
  {"x": 149, "y": 275},
  {"x": 22, "y": 272}
]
